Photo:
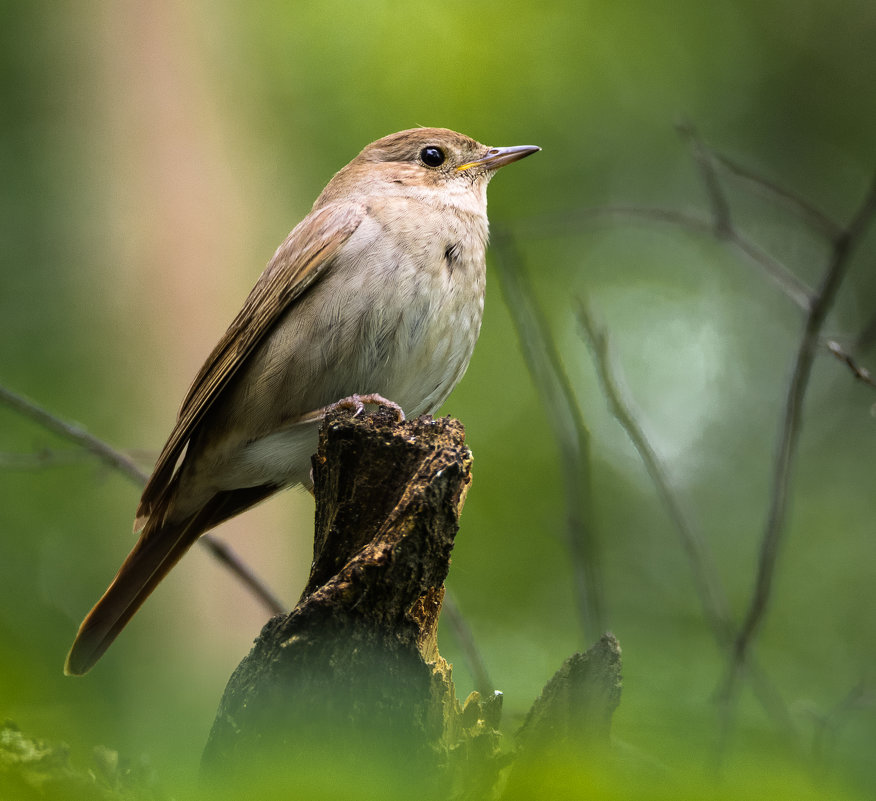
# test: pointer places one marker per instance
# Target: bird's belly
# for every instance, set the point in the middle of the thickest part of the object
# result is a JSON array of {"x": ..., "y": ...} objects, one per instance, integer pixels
[{"x": 431, "y": 356}]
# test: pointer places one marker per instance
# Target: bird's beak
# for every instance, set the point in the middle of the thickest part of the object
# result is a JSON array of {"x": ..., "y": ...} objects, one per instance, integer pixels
[{"x": 500, "y": 156}]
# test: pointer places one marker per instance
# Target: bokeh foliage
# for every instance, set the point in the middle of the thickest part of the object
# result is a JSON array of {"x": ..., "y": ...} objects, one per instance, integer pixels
[{"x": 154, "y": 154}]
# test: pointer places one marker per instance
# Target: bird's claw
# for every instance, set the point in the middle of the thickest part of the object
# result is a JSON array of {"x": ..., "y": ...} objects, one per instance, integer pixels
[{"x": 357, "y": 404}]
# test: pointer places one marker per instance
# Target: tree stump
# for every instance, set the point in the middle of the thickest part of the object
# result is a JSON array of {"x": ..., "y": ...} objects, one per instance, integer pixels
[
  {"x": 347, "y": 696},
  {"x": 350, "y": 682}
]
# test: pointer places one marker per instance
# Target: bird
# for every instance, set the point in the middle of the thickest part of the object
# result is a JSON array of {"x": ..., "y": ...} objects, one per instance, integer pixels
[{"x": 375, "y": 296}]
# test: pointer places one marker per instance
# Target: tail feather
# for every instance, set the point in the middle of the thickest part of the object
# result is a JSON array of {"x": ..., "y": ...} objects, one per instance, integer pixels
[
  {"x": 161, "y": 545},
  {"x": 157, "y": 551}
]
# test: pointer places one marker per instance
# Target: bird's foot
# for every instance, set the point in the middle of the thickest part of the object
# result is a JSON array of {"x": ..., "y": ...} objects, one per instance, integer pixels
[{"x": 357, "y": 404}]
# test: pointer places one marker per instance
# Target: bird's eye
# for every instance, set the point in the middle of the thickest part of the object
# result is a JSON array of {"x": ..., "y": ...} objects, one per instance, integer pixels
[{"x": 432, "y": 156}]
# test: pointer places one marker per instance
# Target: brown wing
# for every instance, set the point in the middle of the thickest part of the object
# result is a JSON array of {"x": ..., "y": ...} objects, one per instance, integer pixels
[{"x": 304, "y": 256}]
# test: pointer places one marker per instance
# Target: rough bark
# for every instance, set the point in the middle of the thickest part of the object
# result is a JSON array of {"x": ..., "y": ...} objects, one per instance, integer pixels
[
  {"x": 352, "y": 676},
  {"x": 565, "y": 738},
  {"x": 348, "y": 693},
  {"x": 576, "y": 706}
]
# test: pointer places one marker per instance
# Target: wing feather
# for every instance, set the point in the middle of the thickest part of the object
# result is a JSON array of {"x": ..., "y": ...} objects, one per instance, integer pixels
[{"x": 305, "y": 255}]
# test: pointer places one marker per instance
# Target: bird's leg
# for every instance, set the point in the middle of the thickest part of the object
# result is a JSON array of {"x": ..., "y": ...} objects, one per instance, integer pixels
[{"x": 357, "y": 404}]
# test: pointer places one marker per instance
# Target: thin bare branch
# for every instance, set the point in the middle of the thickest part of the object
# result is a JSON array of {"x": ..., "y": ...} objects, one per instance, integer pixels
[
  {"x": 228, "y": 557},
  {"x": 724, "y": 228},
  {"x": 829, "y": 725},
  {"x": 837, "y": 268},
  {"x": 860, "y": 372},
  {"x": 706, "y": 580},
  {"x": 721, "y": 217},
  {"x": 74, "y": 433},
  {"x": 808, "y": 212},
  {"x": 791, "y": 286},
  {"x": 573, "y": 438},
  {"x": 121, "y": 463},
  {"x": 41, "y": 459}
]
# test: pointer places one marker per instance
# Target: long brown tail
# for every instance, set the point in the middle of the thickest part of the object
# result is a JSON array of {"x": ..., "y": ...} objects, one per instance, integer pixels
[{"x": 157, "y": 551}]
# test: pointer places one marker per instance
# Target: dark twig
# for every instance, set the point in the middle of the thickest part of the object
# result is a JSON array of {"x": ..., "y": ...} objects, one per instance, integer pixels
[
  {"x": 810, "y": 214},
  {"x": 707, "y": 584},
  {"x": 837, "y": 268},
  {"x": 573, "y": 438},
  {"x": 121, "y": 463},
  {"x": 721, "y": 218},
  {"x": 790, "y": 285},
  {"x": 724, "y": 228},
  {"x": 829, "y": 725},
  {"x": 706, "y": 580},
  {"x": 41, "y": 459},
  {"x": 74, "y": 433},
  {"x": 860, "y": 372},
  {"x": 226, "y": 556}
]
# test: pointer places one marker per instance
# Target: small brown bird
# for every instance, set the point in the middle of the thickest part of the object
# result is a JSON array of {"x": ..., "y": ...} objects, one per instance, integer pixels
[{"x": 378, "y": 293}]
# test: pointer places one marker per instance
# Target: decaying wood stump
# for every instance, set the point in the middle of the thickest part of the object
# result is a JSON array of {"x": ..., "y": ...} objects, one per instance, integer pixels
[
  {"x": 348, "y": 691},
  {"x": 353, "y": 673}
]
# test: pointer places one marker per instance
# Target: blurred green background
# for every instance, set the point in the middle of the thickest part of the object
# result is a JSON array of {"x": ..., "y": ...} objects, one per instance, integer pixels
[{"x": 154, "y": 154}]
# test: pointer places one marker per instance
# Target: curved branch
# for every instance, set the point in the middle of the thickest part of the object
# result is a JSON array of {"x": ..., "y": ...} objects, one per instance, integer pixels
[
  {"x": 548, "y": 374},
  {"x": 123, "y": 464},
  {"x": 837, "y": 268}
]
